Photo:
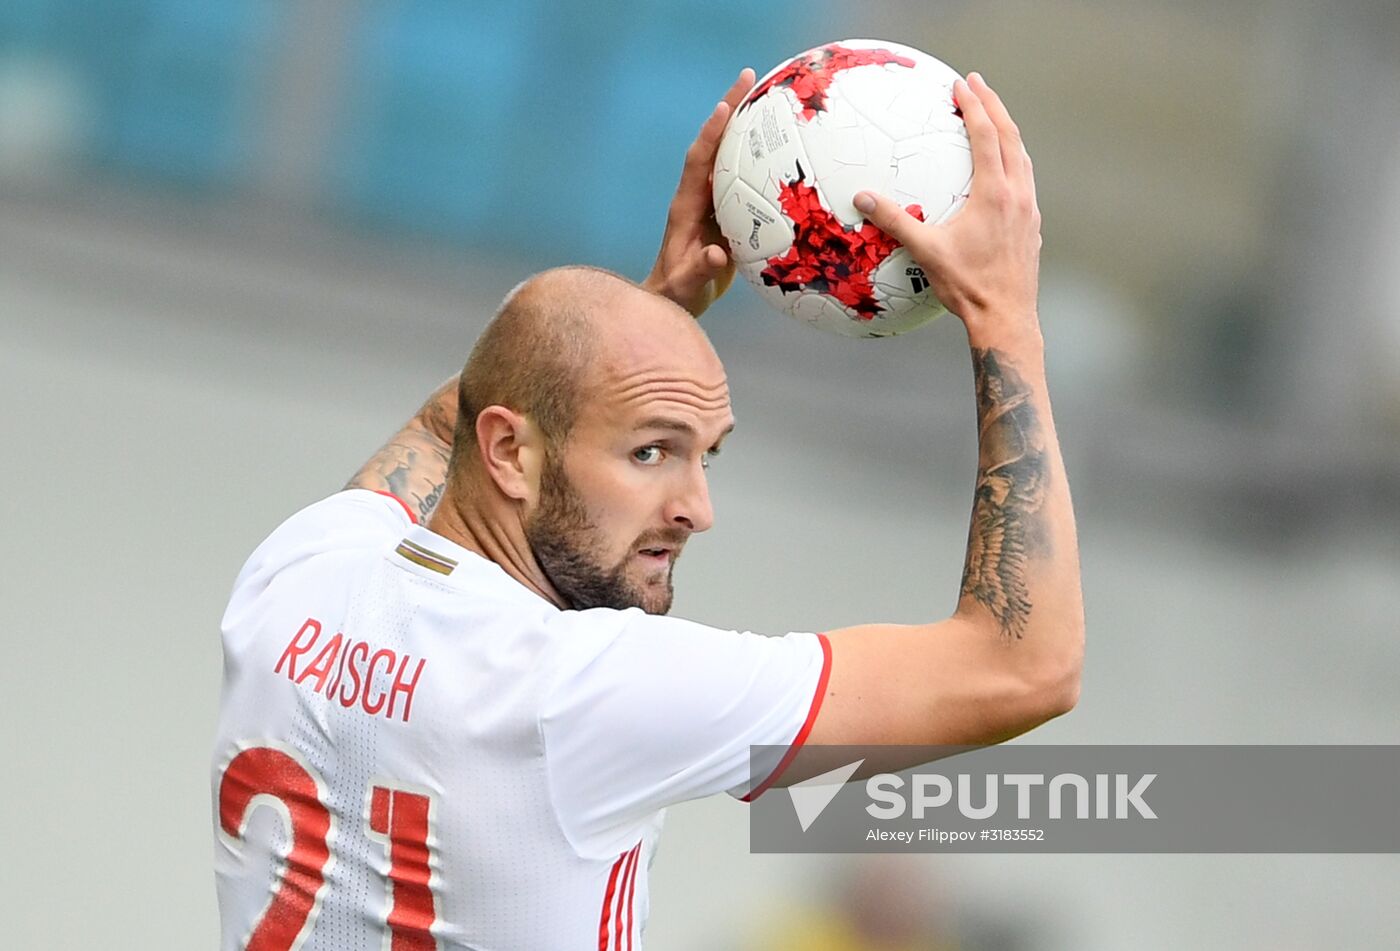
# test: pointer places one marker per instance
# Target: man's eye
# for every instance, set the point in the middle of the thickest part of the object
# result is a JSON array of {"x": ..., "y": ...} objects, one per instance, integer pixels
[{"x": 647, "y": 455}]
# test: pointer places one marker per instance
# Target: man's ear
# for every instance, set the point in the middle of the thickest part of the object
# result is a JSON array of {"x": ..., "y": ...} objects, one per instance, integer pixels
[{"x": 512, "y": 452}]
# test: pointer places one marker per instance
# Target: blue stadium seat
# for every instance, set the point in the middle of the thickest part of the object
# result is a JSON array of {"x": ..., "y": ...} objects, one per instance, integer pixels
[
  {"x": 556, "y": 129},
  {"x": 434, "y": 89},
  {"x": 26, "y": 25},
  {"x": 186, "y": 105}
]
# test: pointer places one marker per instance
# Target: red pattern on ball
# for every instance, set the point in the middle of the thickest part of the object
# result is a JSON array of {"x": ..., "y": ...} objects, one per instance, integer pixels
[
  {"x": 810, "y": 74},
  {"x": 828, "y": 257}
]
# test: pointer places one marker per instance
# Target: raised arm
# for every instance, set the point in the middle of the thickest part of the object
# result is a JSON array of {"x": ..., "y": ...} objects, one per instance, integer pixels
[
  {"x": 1009, "y": 658},
  {"x": 412, "y": 465}
]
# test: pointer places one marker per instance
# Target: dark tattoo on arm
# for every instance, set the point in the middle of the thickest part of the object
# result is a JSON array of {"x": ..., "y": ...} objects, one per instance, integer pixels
[
  {"x": 413, "y": 464},
  {"x": 430, "y": 501},
  {"x": 1011, "y": 480}
]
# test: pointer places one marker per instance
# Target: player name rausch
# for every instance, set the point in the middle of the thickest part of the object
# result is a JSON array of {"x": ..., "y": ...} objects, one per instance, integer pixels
[{"x": 352, "y": 673}]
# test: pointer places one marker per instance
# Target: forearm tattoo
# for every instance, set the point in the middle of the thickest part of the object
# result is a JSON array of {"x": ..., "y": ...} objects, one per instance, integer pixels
[{"x": 1011, "y": 476}]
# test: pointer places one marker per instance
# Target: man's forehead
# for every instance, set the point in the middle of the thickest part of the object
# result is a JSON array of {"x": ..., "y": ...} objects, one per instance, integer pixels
[
  {"x": 654, "y": 341},
  {"x": 685, "y": 394},
  {"x": 712, "y": 429},
  {"x": 663, "y": 398}
]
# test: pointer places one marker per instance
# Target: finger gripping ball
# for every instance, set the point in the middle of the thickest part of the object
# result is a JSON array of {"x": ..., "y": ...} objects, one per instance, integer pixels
[{"x": 837, "y": 119}]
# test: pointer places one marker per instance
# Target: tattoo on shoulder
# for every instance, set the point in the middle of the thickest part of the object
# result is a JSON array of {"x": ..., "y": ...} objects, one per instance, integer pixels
[
  {"x": 412, "y": 466},
  {"x": 1006, "y": 523}
]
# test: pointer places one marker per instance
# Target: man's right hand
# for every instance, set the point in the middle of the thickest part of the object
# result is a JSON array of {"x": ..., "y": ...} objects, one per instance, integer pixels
[
  {"x": 1010, "y": 656},
  {"x": 984, "y": 262}
]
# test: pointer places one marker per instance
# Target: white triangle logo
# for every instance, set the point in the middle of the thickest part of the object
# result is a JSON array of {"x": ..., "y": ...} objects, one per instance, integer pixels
[{"x": 811, "y": 796}]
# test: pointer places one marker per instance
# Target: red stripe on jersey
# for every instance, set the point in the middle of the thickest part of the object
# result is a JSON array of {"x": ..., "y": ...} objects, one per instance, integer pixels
[
  {"x": 627, "y": 874},
  {"x": 389, "y": 495},
  {"x": 801, "y": 737},
  {"x": 631, "y": 891},
  {"x": 603, "y": 929},
  {"x": 623, "y": 867}
]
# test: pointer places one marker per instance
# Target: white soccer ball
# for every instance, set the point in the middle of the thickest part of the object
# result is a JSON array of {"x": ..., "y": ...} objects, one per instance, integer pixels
[{"x": 847, "y": 116}]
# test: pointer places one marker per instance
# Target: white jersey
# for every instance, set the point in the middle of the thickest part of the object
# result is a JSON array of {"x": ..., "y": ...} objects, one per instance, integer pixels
[{"x": 447, "y": 760}]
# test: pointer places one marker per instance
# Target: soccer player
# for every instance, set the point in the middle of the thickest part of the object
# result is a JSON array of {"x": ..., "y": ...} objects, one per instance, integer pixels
[{"x": 453, "y": 684}]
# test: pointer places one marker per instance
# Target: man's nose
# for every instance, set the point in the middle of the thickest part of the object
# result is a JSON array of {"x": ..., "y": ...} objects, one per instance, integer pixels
[{"x": 691, "y": 505}]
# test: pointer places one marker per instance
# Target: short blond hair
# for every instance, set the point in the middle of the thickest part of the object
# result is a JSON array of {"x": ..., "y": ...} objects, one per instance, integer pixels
[{"x": 534, "y": 355}]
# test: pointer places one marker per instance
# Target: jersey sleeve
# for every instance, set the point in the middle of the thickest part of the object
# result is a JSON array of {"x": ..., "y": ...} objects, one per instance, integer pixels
[
  {"x": 645, "y": 712},
  {"x": 355, "y": 519}
]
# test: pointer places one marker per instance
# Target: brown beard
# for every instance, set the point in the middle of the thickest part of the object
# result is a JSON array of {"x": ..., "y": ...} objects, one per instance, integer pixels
[{"x": 565, "y": 542}]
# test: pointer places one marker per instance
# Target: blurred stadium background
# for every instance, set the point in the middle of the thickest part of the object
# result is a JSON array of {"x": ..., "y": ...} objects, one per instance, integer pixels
[{"x": 239, "y": 242}]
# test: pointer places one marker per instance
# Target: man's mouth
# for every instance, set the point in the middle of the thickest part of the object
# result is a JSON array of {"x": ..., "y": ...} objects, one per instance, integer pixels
[{"x": 661, "y": 550}]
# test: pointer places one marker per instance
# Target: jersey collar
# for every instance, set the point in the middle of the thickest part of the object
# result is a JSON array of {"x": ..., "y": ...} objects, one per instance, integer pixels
[{"x": 435, "y": 556}]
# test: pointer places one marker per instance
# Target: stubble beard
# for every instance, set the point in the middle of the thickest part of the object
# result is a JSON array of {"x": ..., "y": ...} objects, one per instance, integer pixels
[{"x": 566, "y": 544}]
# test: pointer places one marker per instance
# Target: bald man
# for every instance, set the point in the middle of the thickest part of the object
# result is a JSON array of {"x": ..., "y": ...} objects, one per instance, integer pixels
[{"x": 455, "y": 682}]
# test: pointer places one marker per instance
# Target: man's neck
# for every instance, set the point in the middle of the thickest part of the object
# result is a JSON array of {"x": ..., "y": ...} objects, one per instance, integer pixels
[{"x": 496, "y": 533}]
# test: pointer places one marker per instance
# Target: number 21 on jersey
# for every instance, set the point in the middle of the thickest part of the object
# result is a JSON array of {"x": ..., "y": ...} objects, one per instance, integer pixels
[{"x": 278, "y": 777}]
